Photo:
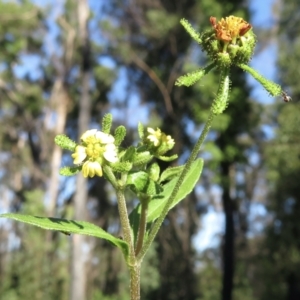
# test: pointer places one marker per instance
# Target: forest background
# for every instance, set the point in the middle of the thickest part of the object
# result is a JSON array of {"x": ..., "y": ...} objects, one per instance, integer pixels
[{"x": 63, "y": 65}]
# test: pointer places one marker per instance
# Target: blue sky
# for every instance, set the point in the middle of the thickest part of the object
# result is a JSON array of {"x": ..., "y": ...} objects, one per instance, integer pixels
[{"x": 264, "y": 62}]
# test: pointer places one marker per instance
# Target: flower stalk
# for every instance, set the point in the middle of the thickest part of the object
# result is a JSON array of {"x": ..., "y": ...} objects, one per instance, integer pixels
[
  {"x": 142, "y": 225},
  {"x": 180, "y": 180}
]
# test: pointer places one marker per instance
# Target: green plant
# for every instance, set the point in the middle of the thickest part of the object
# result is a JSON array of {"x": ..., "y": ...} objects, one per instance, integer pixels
[{"x": 230, "y": 42}]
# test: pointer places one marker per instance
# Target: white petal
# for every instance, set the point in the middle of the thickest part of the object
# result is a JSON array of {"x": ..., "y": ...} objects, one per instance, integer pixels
[
  {"x": 110, "y": 153},
  {"x": 104, "y": 138},
  {"x": 88, "y": 133},
  {"x": 150, "y": 130},
  {"x": 79, "y": 155}
]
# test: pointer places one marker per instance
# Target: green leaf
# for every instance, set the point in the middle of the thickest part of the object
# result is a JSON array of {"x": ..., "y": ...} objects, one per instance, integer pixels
[
  {"x": 170, "y": 173},
  {"x": 158, "y": 202},
  {"x": 129, "y": 154},
  {"x": 70, "y": 226},
  {"x": 142, "y": 158},
  {"x": 121, "y": 167},
  {"x": 120, "y": 134},
  {"x": 69, "y": 171},
  {"x": 191, "y": 78},
  {"x": 65, "y": 142},
  {"x": 138, "y": 179},
  {"x": 106, "y": 123},
  {"x": 271, "y": 87},
  {"x": 192, "y": 32},
  {"x": 141, "y": 130},
  {"x": 168, "y": 158},
  {"x": 140, "y": 182}
]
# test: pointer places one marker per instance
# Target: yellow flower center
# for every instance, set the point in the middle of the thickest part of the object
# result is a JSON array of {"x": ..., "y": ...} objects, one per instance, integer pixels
[
  {"x": 230, "y": 28},
  {"x": 94, "y": 150}
]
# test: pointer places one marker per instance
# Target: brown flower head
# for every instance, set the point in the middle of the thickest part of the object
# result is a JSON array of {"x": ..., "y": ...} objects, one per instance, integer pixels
[{"x": 230, "y": 28}]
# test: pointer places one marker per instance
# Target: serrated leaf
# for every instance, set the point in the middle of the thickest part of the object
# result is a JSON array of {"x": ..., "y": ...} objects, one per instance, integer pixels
[
  {"x": 70, "y": 226},
  {"x": 69, "y": 171},
  {"x": 157, "y": 203}
]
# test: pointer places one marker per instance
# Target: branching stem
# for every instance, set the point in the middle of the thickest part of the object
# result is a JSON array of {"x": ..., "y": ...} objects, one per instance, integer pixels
[{"x": 181, "y": 178}]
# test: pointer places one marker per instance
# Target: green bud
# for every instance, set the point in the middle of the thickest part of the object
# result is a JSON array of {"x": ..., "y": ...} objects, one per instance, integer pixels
[
  {"x": 229, "y": 42},
  {"x": 138, "y": 181},
  {"x": 106, "y": 123},
  {"x": 154, "y": 171},
  {"x": 65, "y": 142},
  {"x": 142, "y": 158},
  {"x": 120, "y": 134},
  {"x": 141, "y": 130}
]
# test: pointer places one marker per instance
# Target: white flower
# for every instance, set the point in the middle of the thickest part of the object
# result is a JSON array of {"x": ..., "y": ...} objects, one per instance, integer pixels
[
  {"x": 96, "y": 148},
  {"x": 154, "y": 136},
  {"x": 158, "y": 138}
]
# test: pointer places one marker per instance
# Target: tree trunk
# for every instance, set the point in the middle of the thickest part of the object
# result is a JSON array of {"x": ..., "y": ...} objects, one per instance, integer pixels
[
  {"x": 78, "y": 283},
  {"x": 229, "y": 236},
  {"x": 61, "y": 100}
]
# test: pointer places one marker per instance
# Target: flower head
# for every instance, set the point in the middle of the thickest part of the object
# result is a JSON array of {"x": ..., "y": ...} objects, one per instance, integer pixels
[
  {"x": 159, "y": 140},
  {"x": 230, "y": 28},
  {"x": 96, "y": 149},
  {"x": 230, "y": 41}
]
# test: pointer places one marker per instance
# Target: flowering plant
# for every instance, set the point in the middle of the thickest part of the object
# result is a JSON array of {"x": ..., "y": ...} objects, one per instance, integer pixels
[{"x": 230, "y": 42}]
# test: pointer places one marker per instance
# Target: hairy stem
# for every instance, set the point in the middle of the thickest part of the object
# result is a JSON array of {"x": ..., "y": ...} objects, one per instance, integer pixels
[
  {"x": 125, "y": 225},
  {"x": 142, "y": 225},
  {"x": 181, "y": 178},
  {"x": 135, "y": 282}
]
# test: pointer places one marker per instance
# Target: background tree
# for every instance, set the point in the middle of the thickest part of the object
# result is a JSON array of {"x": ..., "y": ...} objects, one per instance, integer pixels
[
  {"x": 122, "y": 52},
  {"x": 281, "y": 248}
]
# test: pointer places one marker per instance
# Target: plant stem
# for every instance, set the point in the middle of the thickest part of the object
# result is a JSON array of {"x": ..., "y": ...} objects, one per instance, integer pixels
[
  {"x": 142, "y": 225},
  {"x": 135, "y": 282},
  {"x": 132, "y": 263},
  {"x": 125, "y": 226},
  {"x": 180, "y": 180}
]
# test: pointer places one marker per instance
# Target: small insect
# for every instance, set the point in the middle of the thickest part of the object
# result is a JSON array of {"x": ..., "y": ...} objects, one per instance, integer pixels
[
  {"x": 65, "y": 232},
  {"x": 285, "y": 97}
]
